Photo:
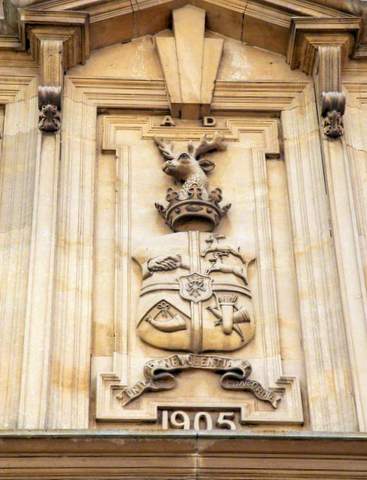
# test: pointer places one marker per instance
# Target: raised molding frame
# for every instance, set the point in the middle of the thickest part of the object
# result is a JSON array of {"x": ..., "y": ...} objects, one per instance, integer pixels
[{"x": 109, "y": 384}]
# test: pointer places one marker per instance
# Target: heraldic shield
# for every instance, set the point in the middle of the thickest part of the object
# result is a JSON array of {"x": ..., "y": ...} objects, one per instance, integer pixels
[{"x": 195, "y": 295}]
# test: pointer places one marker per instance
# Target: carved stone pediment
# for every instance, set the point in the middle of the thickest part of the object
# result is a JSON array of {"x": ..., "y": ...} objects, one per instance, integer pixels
[{"x": 154, "y": 16}]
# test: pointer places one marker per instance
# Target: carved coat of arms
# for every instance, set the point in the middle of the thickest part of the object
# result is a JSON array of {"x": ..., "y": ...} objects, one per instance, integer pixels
[{"x": 195, "y": 295}]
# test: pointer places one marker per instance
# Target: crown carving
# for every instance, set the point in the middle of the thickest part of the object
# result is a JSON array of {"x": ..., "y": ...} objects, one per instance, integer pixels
[{"x": 194, "y": 206}]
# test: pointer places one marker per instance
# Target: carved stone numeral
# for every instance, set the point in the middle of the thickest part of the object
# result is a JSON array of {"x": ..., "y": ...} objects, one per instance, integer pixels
[{"x": 201, "y": 421}]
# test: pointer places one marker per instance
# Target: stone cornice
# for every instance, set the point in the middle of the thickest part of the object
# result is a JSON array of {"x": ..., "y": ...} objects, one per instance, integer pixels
[
  {"x": 183, "y": 455},
  {"x": 104, "y": 22},
  {"x": 72, "y": 26},
  {"x": 307, "y": 31}
]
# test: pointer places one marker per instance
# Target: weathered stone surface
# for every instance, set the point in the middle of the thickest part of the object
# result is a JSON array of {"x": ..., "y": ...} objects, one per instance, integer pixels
[{"x": 196, "y": 316}]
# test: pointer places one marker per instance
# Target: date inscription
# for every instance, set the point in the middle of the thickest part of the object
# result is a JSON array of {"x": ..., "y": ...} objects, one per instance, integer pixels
[{"x": 199, "y": 421}]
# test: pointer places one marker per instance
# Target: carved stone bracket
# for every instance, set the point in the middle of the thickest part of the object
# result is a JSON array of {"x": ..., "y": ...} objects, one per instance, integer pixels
[
  {"x": 71, "y": 26},
  {"x": 49, "y": 104},
  {"x": 319, "y": 48},
  {"x": 50, "y": 55},
  {"x": 56, "y": 46},
  {"x": 48, "y": 49},
  {"x": 327, "y": 76},
  {"x": 332, "y": 111}
]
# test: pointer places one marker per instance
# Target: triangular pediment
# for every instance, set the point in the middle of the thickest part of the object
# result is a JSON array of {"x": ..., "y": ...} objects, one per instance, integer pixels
[
  {"x": 294, "y": 7},
  {"x": 262, "y": 23}
]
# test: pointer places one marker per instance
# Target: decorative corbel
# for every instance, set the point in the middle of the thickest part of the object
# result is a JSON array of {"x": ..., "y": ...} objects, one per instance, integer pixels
[
  {"x": 329, "y": 88},
  {"x": 49, "y": 104},
  {"x": 50, "y": 56},
  {"x": 319, "y": 47},
  {"x": 57, "y": 44},
  {"x": 327, "y": 76}
]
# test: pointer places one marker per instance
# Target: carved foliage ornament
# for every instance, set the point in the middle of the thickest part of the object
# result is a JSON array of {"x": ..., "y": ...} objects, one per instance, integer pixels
[
  {"x": 49, "y": 104},
  {"x": 332, "y": 111}
]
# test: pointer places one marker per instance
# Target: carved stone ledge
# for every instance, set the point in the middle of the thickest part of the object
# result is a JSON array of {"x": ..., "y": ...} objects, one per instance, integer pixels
[{"x": 49, "y": 104}]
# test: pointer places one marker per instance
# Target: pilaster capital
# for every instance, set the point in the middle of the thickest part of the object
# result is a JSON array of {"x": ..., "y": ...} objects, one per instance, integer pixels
[
  {"x": 70, "y": 28},
  {"x": 58, "y": 41},
  {"x": 319, "y": 47},
  {"x": 308, "y": 35}
]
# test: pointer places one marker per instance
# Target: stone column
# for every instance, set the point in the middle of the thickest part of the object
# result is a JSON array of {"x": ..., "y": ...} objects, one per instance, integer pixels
[
  {"x": 343, "y": 213},
  {"x": 39, "y": 310},
  {"x": 329, "y": 382},
  {"x": 320, "y": 47},
  {"x": 17, "y": 172}
]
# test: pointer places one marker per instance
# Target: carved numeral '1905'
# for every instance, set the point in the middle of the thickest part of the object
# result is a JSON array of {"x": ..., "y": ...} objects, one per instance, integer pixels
[{"x": 200, "y": 421}]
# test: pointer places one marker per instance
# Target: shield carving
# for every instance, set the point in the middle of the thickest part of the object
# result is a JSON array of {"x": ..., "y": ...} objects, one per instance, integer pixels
[
  {"x": 195, "y": 287},
  {"x": 195, "y": 294}
]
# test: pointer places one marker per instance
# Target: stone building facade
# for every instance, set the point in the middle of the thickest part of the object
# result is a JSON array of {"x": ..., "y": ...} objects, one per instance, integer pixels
[{"x": 183, "y": 239}]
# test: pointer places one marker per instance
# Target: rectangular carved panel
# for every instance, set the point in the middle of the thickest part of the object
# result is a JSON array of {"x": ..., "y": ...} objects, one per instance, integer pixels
[{"x": 195, "y": 314}]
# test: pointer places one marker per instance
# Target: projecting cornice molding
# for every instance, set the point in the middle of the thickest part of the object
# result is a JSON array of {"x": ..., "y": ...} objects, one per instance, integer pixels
[
  {"x": 308, "y": 34},
  {"x": 103, "y": 22},
  {"x": 57, "y": 41},
  {"x": 70, "y": 27}
]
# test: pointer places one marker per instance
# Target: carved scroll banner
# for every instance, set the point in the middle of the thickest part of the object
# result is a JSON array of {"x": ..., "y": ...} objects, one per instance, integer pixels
[{"x": 159, "y": 375}]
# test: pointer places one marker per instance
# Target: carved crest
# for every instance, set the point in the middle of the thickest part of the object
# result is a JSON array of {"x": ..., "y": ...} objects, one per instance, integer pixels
[
  {"x": 194, "y": 206},
  {"x": 195, "y": 295},
  {"x": 195, "y": 287}
]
